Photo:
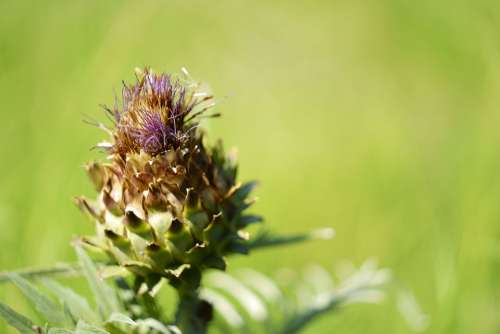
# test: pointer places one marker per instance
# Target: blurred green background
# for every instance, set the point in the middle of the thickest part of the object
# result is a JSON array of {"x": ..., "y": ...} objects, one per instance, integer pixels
[{"x": 379, "y": 118}]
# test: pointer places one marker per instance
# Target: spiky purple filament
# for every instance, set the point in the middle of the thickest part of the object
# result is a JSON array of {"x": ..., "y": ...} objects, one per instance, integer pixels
[
  {"x": 153, "y": 115},
  {"x": 154, "y": 134}
]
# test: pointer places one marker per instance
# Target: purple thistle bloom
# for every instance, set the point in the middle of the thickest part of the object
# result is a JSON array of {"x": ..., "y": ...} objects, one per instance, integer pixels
[
  {"x": 154, "y": 134},
  {"x": 153, "y": 114}
]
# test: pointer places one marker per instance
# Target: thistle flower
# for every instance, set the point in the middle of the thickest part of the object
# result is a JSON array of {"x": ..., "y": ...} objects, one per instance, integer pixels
[
  {"x": 168, "y": 205},
  {"x": 158, "y": 114}
]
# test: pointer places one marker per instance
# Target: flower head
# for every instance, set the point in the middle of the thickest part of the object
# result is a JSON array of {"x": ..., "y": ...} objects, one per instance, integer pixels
[
  {"x": 158, "y": 112},
  {"x": 168, "y": 205}
]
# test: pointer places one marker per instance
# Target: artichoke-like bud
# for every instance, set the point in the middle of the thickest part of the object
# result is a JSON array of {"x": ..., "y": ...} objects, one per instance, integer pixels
[{"x": 168, "y": 205}]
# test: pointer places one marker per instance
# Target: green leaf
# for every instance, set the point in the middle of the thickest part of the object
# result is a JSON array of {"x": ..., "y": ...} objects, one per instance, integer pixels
[
  {"x": 83, "y": 328},
  {"x": 252, "y": 304},
  {"x": 78, "y": 306},
  {"x": 364, "y": 285},
  {"x": 120, "y": 318},
  {"x": 267, "y": 239},
  {"x": 59, "y": 331},
  {"x": 48, "y": 310},
  {"x": 260, "y": 283},
  {"x": 16, "y": 320},
  {"x": 306, "y": 316},
  {"x": 225, "y": 309},
  {"x": 156, "y": 325},
  {"x": 61, "y": 269},
  {"x": 105, "y": 297},
  {"x": 150, "y": 323}
]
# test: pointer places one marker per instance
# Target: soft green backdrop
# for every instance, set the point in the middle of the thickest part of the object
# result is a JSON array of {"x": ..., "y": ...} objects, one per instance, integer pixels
[{"x": 380, "y": 118}]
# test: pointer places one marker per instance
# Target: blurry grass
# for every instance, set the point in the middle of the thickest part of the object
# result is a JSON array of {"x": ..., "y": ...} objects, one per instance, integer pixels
[{"x": 379, "y": 118}]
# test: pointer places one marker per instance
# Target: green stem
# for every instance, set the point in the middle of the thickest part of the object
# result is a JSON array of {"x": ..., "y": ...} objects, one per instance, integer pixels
[{"x": 193, "y": 313}]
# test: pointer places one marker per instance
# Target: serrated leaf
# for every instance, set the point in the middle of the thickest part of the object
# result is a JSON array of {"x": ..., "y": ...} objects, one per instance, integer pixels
[
  {"x": 60, "y": 269},
  {"x": 245, "y": 297},
  {"x": 226, "y": 310},
  {"x": 16, "y": 320},
  {"x": 318, "y": 279},
  {"x": 263, "y": 285},
  {"x": 105, "y": 297},
  {"x": 300, "y": 320},
  {"x": 78, "y": 306},
  {"x": 156, "y": 325},
  {"x": 362, "y": 286},
  {"x": 411, "y": 311},
  {"x": 83, "y": 328},
  {"x": 47, "y": 309},
  {"x": 174, "y": 329},
  {"x": 267, "y": 239},
  {"x": 120, "y": 318},
  {"x": 59, "y": 331}
]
